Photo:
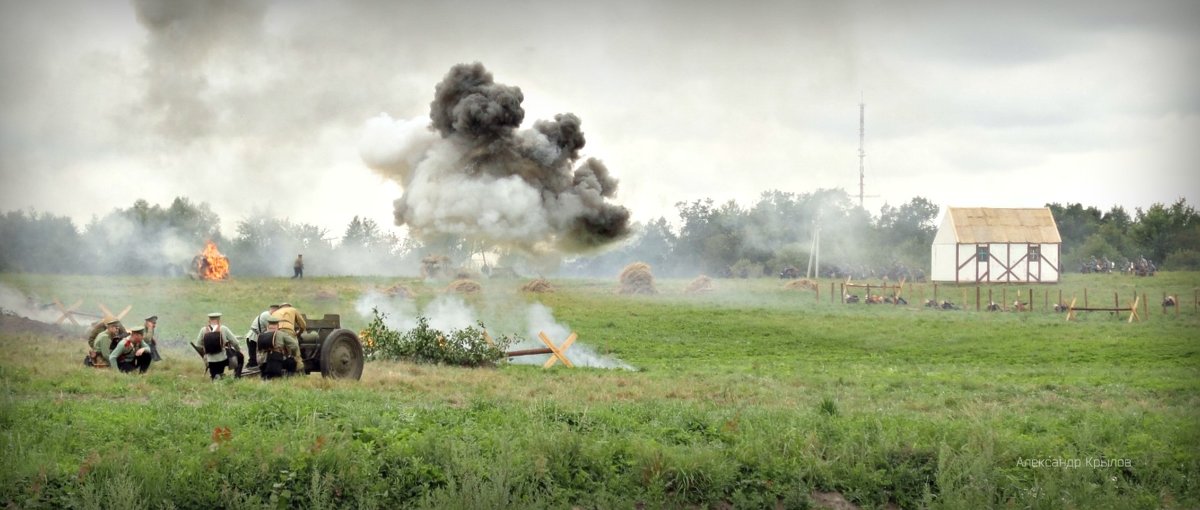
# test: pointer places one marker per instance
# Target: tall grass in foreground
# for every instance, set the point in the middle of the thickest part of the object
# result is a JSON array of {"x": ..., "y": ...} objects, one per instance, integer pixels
[{"x": 748, "y": 399}]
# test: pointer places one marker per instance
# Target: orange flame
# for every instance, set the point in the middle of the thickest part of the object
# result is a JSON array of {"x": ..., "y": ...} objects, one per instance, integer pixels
[{"x": 212, "y": 265}]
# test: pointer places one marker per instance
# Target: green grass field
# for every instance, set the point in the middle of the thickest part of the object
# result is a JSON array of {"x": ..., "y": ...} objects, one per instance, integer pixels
[{"x": 749, "y": 396}]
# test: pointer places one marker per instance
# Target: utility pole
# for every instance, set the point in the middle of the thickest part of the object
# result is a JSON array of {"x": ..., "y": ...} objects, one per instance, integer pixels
[
  {"x": 862, "y": 130},
  {"x": 814, "y": 250}
]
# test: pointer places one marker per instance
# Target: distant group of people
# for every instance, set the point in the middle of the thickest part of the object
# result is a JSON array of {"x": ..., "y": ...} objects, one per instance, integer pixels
[{"x": 272, "y": 339}]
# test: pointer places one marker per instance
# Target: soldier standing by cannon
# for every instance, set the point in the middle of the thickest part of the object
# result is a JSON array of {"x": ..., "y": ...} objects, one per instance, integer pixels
[
  {"x": 257, "y": 327},
  {"x": 290, "y": 319},
  {"x": 281, "y": 351}
]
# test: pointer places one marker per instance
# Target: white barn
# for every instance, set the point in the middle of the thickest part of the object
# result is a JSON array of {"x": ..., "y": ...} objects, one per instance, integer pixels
[{"x": 977, "y": 244}]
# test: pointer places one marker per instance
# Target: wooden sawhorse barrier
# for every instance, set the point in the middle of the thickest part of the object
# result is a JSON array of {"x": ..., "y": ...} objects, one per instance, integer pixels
[
  {"x": 557, "y": 352},
  {"x": 896, "y": 290},
  {"x": 68, "y": 313},
  {"x": 1132, "y": 309}
]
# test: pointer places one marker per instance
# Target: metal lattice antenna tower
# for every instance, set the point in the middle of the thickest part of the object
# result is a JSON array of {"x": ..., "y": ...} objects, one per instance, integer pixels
[{"x": 862, "y": 130}]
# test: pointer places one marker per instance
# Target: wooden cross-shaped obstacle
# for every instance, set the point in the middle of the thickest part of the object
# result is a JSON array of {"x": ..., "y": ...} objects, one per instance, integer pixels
[
  {"x": 118, "y": 316},
  {"x": 68, "y": 313},
  {"x": 557, "y": 352}
]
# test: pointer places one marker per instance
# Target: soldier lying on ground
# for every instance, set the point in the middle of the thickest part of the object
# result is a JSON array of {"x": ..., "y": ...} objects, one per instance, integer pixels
[
  {"x": 218, "y": 347},
  {"x": 132, "y": 352},
  {"x": 281, "y": 351}
]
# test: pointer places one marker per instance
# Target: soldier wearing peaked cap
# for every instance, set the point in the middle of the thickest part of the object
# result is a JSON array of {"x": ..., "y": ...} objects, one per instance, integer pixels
[
  {"x": 151, "y": 337},
  {"x": 290, "y": 319},
  {"x": 257, "y": 327},
  {"x": 217, "y": 345},
  {"x": 101, "y": 345},
  {"x": 281, "y": 351},
  {"x": 132, "y": 352}
]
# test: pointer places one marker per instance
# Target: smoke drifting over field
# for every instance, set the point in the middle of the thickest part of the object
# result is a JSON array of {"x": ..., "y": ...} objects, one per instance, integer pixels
[
  {"x": 471, "y": 171},
  {"x": 448, "y": 312}
]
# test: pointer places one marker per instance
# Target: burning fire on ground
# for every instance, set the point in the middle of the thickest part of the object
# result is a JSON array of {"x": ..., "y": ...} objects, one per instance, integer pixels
[{"x": 211, "y": 264}]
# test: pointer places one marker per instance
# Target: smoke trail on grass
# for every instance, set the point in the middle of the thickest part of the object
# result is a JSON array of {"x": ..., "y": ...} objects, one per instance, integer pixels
[
  {"x": 539, "y": 318},
  {"x": 448, "y": 312},
  {"x": 31, "y": 307}
]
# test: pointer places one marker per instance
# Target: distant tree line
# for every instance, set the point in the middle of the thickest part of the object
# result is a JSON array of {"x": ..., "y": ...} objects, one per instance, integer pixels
[
  {"x": 1167, "y": 235},
  {"x": 146, "y": 239},
  {"x": 775, "y": 233},
  {"x": 730, "y": 240}
]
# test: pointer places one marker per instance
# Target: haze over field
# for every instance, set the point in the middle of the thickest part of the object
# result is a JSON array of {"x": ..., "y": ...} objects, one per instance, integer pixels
[{"x": 260, "y": 106}]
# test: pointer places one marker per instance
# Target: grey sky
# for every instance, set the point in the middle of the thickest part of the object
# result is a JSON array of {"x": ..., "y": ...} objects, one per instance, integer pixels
[{"x": 260, "y": 105}]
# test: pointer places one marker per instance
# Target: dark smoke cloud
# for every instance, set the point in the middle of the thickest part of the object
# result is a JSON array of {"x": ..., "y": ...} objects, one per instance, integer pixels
[
  {"x": 184, "y": 37},
  {"x": 472, "y": 172}
]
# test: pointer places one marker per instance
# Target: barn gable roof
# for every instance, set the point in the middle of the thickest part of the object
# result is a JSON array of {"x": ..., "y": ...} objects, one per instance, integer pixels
[{"x": 994, "y": 225}]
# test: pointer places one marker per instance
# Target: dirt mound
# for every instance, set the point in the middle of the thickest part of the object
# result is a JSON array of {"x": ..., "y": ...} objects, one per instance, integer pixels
[
  {"x": 464, "y": 286},
  {"x": 801, "y": 284},
  {"x": 326, "y": 295},
  {"x": 14, "y": 324},
  {"x": 399, "y": 291},
  {"x": 702, "y": 283},
  {"x": 538, "y": 285},
  {"x": 636, "y": 278}
]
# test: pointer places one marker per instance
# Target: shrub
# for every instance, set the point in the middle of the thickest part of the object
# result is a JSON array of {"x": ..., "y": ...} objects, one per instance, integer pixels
[
  {"x": 423, "y": 344},
  {"x": 1182, "y": 260}
]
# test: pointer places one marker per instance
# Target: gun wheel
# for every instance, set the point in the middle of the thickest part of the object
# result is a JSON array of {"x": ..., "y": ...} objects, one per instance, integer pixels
[{"x": 342, "y": 355}]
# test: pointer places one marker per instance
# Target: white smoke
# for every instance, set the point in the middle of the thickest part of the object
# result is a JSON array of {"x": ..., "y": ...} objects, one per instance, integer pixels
[
  {"x": 447, "y": 312},
  {"x": 440, "y": 198},
  {"x": 469, "y": 171},
  {"x": 15, "y": 301},
  {"x": 540, "y": 319}
]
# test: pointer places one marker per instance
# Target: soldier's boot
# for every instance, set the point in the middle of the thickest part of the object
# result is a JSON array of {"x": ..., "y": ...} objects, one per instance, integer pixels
[
  {"x": 154, "y": 352},
  {"x": 252, "y": 346}
]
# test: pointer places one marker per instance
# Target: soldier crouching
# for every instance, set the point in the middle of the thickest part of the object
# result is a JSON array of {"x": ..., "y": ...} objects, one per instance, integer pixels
[
  {"x": 280, "y": 350},
  {"x": 132, "y": 352}
]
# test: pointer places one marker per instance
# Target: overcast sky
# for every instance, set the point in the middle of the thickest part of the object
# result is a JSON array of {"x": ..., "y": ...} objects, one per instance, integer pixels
[{"x": 259, "y": 106}]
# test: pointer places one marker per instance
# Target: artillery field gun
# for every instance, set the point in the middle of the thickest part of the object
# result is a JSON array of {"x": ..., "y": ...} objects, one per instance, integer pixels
[{"x": 325, "y": 347}]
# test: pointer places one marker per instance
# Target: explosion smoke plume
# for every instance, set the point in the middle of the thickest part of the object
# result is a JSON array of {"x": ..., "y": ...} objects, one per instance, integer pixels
[{"x": 473, "y": 173}]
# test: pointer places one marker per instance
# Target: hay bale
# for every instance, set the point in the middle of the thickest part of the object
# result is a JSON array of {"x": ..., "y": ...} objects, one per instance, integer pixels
[
  {"x": 538, "y": 285},
  {"x": 702, "y": 283},
  {"x": 464, "y": 286},
  {"x": 400, "y": 291},
  {"x": 636, "y": 278},
  {"x": 435, "y": 266},
  {"x": 801, "y": 284}
]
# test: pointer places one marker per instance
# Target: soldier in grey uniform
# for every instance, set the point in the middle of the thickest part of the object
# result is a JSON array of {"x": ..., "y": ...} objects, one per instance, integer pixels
[
  {"x": 217, "y": 354},
  {"x": 257, "y": 327}
]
